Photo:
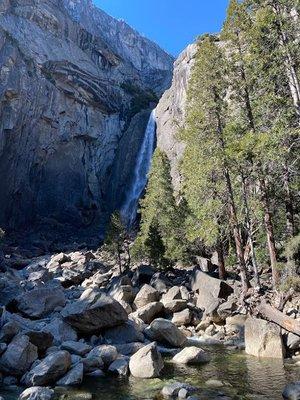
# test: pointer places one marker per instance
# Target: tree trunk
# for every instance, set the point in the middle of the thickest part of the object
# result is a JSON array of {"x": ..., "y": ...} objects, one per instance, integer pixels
[
  {"x": 221, "y": 261},
  {"x": 272, "y": 314},
  {"x": 270, "y": 233},
  {"x": 250, "y": 233}
]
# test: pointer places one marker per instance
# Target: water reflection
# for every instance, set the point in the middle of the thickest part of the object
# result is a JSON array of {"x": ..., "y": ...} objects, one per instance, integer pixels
[{"x": 244, "y": 377}]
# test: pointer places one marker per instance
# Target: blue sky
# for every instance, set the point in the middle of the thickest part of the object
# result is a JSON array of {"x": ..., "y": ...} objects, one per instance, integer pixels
[{"x": 173, "y": 24}]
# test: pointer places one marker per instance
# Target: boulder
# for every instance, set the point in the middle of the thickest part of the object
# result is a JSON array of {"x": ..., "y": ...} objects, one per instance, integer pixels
[
  {"x": 60, "y": 330},
  {"x": 183, "y": 317},
  {"x": 37, "y": 393},
  {"x": 9, "y": 331},
  {"x": 160, "y": 282},
  {"x": 291, "y": 391},
  {"x": 164, "y": 331},
  {"x": 263, "y": 339},
  {"x": 146, "y": 362},
  {"x": 146, "y": 295},
  {"x": 173, "y": 389},
  {"x": 91, "y": 364},
  {"x": 94, "y": 311},
  {"x": 19, "y": 356},
  {"x": 129, "y": 348},
  {"x": 40, "y": 302},
  {"x": 77, "y": 348},
  {"x": 210, "y": 290},
  {"x": 126, "y": 333},
  {"x": 148, "y": 312},
  {"x": 191, "y": 355},
  {"x": 292, "y": 341},
  {"x": 120, "y": 366},
  {"x": 107, "y": 353},
  {"x": 123, "y": 294},
  {"x": 49, "y": 370},
  {"x": 174, "y": 293},
  {"x": 72, "y": 378},
  {"x": 174, "y": 306}
]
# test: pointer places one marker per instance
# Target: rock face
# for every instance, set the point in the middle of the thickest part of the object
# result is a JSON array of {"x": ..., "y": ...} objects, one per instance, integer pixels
[
  {"x": 76, "y": 91},
  {"x": 94, "y": 311},
  {"x": 170, "y": 111},
  {"x": 263, "y": 339}
]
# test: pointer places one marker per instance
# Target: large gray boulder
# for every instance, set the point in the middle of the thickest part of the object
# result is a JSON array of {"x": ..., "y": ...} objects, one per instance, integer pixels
[
  {"x": 49, "y": 370},
  {"x": 40, "y": 302},
  {"x": 93, "y": 312},
  {"x": 77, "y": 348},
  {"x": 191, "y": 355},
  {"x": 210, "y": 290},
  {"x": 73, "y": 377},
  {"x": 263, "y": 339},
  {"x": 105, "y": 352},
  {"x": 164, "y": 331},
  {"x": 126, "y": 333},
  {"x": 19, "y": 356},
  {"x": 146, "y": 362},
  {"x": 60, "y": 330},
  {"x": 37, "y": 393},
  {"x": 146, "y": 295},
  {"x": 148, "y": 312}
]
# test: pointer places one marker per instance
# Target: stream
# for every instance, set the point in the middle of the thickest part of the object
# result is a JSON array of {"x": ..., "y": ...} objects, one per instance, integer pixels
[{"x": 244, "y": 377}]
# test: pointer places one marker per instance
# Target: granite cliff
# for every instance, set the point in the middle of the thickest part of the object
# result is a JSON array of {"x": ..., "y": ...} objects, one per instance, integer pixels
[{"x": 76, "y": 90}]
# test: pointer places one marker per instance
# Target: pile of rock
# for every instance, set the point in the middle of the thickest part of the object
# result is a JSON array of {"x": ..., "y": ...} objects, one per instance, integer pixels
[{"x": 70, "y": 315}]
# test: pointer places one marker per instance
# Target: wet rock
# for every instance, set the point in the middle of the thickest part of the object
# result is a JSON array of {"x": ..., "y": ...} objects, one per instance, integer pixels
[
  {"x": 49, "y": 370},
  {"x": 41, "y": 301},
  {"x": 165, "y": 331},
  {"x": 146, "y": 362},
  {"x": 107, "y": 353},
  {"x": 37, "y": 393},
  {"x": 19, "y": 356},
  {"x": 72, "y": 378},
  {"x": 126, "y": 333},
  {"x": 173, "y": 389},
  {"x": 291, "y": 391},
  {"x": 191, "y": 355},
  {"x": 61, "y": 331},
  {"x": 77, "y": 348},
  {"x": 91, "y": 364},
  {"x": 120, "y": 366},
  {"x": 148, "y": 312},
  {"x": 94, "y": 311},
  {"x": 263, "y": 339},
  {"x": 146, "y": 295}
]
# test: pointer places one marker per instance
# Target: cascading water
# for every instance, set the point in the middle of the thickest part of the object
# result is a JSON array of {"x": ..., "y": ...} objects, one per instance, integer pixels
[{"x": 139, "y": 181}]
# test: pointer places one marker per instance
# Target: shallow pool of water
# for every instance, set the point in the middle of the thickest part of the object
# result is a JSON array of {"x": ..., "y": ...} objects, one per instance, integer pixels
[{"x": 244, "y": 377}]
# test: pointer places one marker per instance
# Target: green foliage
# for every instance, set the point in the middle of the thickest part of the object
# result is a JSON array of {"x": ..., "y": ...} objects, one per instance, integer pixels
[
  {"x": 116, "y": 240},
  {"x": 141, "y": 98},
  {"x": 161, "y": 238}
]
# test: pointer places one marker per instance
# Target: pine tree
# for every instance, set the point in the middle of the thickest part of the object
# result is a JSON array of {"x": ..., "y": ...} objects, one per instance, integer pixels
[
  {"x": 209, "y": 189},
  {"x": 161, "y": 238}
]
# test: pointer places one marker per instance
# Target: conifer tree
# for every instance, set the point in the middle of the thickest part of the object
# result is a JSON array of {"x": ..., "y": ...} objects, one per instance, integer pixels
[
  {"x": 162, "y": 237},
  {"x": 209, "y": 189}
]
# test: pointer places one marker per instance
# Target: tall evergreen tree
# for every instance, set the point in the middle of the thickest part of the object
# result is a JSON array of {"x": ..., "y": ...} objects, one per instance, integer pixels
[
  {"x": 162, "y": 236},
  {"x": 209, "y": 189}
]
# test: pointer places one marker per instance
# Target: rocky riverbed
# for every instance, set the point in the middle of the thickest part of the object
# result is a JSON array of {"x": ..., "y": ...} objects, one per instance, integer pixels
[{"x": 71, "y": 320}]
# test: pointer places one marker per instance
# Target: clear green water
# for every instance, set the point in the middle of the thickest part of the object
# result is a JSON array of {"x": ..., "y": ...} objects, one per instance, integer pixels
[{"x": 245, "y": 377}]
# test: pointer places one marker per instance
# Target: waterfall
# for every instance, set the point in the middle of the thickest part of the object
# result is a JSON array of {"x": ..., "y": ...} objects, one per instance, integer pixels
[{"x": 142, "y": 166}]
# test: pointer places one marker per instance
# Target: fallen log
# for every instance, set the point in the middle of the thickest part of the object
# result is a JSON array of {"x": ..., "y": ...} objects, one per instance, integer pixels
[{"x": 273, "y": 315}]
